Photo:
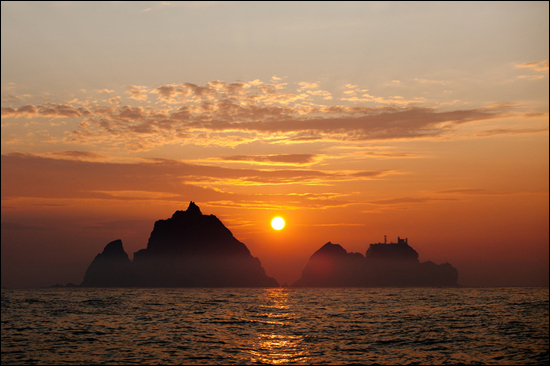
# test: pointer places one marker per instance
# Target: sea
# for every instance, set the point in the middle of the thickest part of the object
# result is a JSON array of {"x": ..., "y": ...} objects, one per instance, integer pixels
[{"x": 384, "y": 326}]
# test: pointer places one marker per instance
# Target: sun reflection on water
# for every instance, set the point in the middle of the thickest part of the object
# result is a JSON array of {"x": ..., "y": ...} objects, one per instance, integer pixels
[{"x": 278, "y": 346}]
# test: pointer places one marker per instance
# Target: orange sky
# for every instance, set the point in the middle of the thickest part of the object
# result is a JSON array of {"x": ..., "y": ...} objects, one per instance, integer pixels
[{"x": 351, "y": 121}]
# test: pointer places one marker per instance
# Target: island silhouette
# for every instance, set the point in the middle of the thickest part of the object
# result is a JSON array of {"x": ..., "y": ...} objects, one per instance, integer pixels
[
  {"x": 384, "y": 265},
  {"x": 187, "y": 250},
  {"x": 195, "y": 250}
]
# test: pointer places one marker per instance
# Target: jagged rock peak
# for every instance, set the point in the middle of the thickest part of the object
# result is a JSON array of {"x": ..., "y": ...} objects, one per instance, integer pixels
[
  {"x": 113, "y": 249},
  {"x": 193, "y": 209}
]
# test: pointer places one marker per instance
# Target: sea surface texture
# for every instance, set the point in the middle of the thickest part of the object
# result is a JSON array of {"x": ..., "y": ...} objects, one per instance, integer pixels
[{"x": 275, "y": 326}]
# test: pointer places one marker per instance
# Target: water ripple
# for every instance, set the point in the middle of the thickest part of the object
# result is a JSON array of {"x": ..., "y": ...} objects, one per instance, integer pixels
[{"x": 275, "y": 326}]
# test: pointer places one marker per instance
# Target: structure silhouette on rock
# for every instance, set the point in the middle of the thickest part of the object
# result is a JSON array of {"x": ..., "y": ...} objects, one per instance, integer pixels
[
  {"x": 187, "y": 250},
  {"x": 394, "y": 264}
]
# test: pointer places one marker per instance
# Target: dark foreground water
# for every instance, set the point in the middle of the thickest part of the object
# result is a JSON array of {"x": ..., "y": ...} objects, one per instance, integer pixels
[{"x": 275, "y": 326}]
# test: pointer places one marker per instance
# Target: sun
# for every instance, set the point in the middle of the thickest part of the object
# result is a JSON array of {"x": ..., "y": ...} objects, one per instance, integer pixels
[{"x": 278, "y": 223}]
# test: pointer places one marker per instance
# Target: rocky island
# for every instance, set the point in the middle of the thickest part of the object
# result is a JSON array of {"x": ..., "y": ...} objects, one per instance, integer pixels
[
  {"x": 195, "y": 250},
  {"x": 394, "y": 264},
  {"x": 187, "y": 250}
]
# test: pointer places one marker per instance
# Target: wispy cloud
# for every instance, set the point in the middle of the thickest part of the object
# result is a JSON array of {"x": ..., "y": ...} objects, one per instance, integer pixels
[
  {"x": 284, "y": 159},
  {"x": 511, "y": 131},
  {"x": 76, "y": 182},
  {"x": 138, "y": 194},
  {"x": 465, "y": 191},
  {"x": 386, "y": 154},
  {"x": 91, "y": 178},
  {"x": 409, "y": 200},
  {"x": 474, "y": 191},
  {"x": 428, "y": 81},
  {"x": 77, "y": 155},
  {"x": 531, "y": 77},
  {"x": 535, "y": 66}
]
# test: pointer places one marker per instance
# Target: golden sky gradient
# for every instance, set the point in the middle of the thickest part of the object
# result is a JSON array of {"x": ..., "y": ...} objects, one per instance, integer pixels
[{"x": 350, "y": 120}]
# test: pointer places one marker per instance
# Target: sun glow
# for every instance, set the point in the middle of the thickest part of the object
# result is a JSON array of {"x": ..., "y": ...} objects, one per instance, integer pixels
[{"x": 278, "y": 223}]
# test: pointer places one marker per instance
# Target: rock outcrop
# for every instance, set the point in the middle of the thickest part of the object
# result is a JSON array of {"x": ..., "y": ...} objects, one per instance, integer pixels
[
  {"x": 111, "y": 268},
  {"x": 394, "y": 264},
  {"x": 187, "y": 250}
]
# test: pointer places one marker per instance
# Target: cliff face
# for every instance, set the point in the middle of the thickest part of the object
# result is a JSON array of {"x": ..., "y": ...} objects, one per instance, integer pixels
[
  {"x": 188, "y": 250},
  {"x": 383, "y": 265}
]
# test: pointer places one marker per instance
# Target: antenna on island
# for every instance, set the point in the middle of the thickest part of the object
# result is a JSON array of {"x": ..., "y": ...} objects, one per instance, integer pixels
[{"x": 385, "y": 239}]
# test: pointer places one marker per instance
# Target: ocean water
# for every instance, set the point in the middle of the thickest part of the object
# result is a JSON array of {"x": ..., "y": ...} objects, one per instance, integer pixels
[{"x": 276, "y": 326}]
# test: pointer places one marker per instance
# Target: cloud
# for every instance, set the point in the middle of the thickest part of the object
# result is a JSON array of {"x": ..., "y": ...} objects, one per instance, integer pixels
[
  {"x": 249, "y": 177},
  {"x": 286, "y": 159},
  {"x": 67, "y": 177},
  {"x": 46, "y": 110},
  {"x": 511, "y": 131},
  {"x": 114, "y": 100},
  {"x": 410, "y": 123},
  {"x": 77, "y": 155},
  {"x": 356, "y": 95},
  {"x": 368, "y": 174},
  {"x": 49, "y": 204},
  {"x": 304, "y": 85},
  {"x": 465, "y": 191},
  {"x": 227, "y": 123},
  {"x": 428, "y": 81},
  {"x": 531, "y": 77},
  {"x": 341, "y": 224},
  {"x": 138, "y": 194},
  {"x": 390, "y": 155},
  {"x": 26, "y": 110},
  {"x": 137, "y": 92},
  {"x": 408, "y": 200},
  {"x": 535, "y": 66},
  {"x": 474, "y": 191},
  {"x": 232, "y": 114},
  {"x": 80, "y": 182},
  {"x": 321, "y": 93}
]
